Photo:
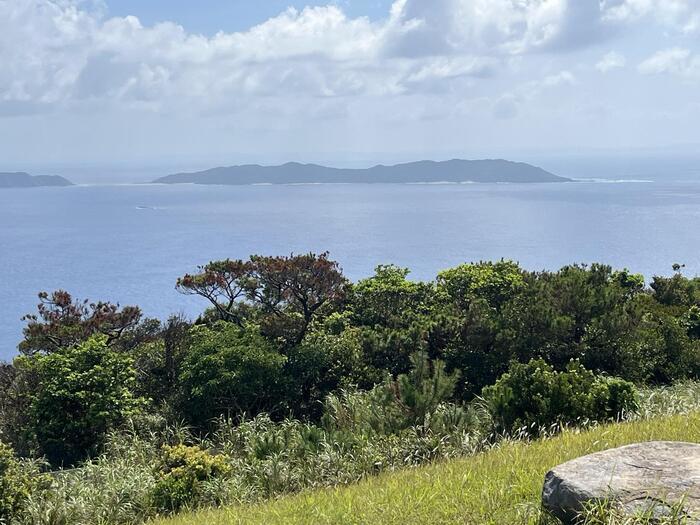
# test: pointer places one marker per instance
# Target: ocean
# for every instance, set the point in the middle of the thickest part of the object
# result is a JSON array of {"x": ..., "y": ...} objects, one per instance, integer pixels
[{"x": 129, "y": 243}]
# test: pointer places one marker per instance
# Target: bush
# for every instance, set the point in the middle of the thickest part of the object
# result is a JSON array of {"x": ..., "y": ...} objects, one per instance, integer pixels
[
  {"x": 183, "y": 472},
  {"x": 412, "y": 400},
  {"x": 496, "y": 283},
  {"x": 229, "y": 371},
  {"x": 17, "y": 482},
  {"x": 315, "y": 368},
  {"x": 83, "y": 392},
  {"x": 534, "y": 396}
]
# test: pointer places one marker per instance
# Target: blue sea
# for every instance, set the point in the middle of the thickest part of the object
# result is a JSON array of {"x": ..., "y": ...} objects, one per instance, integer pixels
[{"x": 129, "y": 243}]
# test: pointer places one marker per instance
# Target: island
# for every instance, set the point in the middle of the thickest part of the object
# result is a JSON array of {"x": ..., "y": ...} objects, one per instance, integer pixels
[
  {"x": 21, "y": 179},
  {"x": 454, "y": 171}
]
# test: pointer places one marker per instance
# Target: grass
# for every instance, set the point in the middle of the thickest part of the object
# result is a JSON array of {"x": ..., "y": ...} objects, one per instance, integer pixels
[{"x": 498, "y": 487}]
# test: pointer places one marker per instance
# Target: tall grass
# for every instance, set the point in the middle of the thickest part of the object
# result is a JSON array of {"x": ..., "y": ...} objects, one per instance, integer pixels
[
  {"x": 681, "y": 398},
  {"x": 270, "y": 459},
  {"x": 501, "y": 486}
]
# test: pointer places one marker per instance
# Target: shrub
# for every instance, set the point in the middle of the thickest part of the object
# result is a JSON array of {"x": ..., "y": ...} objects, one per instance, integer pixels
[
  {"x": 412, "y": 400},
  {"x": 84, "y": 391},
  {"x": 229, "y": 371},
  {"x": 389, "y": 298},
  {"x": 423, "y": 389},
  {"x": 496, "y": 283},
  {"x": 321, "y": 364},
  {"x": 17, "y": 482},
  {"x": 183, "y": 472},
  {"x": 535, "y": 396}
]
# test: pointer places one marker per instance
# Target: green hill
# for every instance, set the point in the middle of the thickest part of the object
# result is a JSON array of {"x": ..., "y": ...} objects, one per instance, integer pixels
[
  {"x": 25, "y": 180},
  {"x": 455, "y": 171},
  {"x": 501, "y": 486}
]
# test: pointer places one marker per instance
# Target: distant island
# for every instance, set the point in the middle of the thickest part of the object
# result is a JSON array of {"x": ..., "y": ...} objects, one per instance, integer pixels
[
  {"x": 426, "y": 171},
  {"x": 25, "y": 180}
]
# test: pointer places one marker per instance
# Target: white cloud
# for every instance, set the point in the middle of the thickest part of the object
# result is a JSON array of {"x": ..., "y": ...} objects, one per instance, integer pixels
[
  {"x": 438, "y": 70},
  {"x": 610, "y": 61},
  {"x": 62, "y": 52},
  {"x": 681, "y": 15},
  {"x": 561, "y": 78},
  {"x": 675, "y": 60},
  {"x": 493, "y": 26},
  {"x": 486, "y": 26}
]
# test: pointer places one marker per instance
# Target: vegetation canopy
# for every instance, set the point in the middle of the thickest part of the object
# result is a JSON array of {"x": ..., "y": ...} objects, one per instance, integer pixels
[{"x": 295, "y": 378}]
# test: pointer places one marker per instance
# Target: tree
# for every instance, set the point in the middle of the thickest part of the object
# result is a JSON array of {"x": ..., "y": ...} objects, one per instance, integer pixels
[
  {"x": 692, "y": 322},
  {"x": 496, "y": 283},
  {"x": 62, "y": 322},
  {"x": 83, "y": 392},
  {"x": 287, "y": 292},
  {"x": 158, "y": 361},
  {"x": 229, "y": 370},
  {"x": 293, "y": 290},
  {"x": 15, "y": 388},
  {"x": 553, "y": 316},
  {"x": 395, "y": 318},
  {"x": 322, "y": 364},
  {"x": 389, "y": 298},
  {"x": 419, "y": 392},
  {"x": 224, "y": 284},
  {"x": 677, "y": 290}
]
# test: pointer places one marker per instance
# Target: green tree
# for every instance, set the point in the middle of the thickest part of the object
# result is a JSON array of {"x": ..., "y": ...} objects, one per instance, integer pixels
[
  {"x": 496, "y": 283},
  {"x": 321, "y": 364},
  {"x": 676, "y": 290},
  {"x": 692, "y": 322},
  {"x": 389, "y": 298},
  {"x": 419, "y": 392},
  {"x": 394, "y": 316},
  {"x": 158, "y": 362},
  {"x": 82, "y": 392},
  {"x": 229, "y": 370}
]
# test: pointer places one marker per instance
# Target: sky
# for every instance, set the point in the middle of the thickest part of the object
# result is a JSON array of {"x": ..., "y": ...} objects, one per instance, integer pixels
[{"x": 178, "y": 83}]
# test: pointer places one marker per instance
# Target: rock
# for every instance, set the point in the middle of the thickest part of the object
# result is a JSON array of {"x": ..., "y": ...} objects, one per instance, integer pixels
[{"x": 656, "y": 476}]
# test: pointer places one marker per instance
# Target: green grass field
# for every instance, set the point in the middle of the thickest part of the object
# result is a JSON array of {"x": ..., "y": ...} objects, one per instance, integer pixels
[{"x": 498, "y": 487}]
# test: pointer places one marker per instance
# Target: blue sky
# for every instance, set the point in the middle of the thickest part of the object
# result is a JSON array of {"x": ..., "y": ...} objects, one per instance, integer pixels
[
  {"x": 193, "y": 84},
  {"x": 211, "y": 16}
]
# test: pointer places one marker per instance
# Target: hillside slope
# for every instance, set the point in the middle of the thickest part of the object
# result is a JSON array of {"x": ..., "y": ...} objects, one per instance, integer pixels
[
  {"x": 414, "y": 172},
  {"x": 25, "y": 180},
  {"x": 501, "y": 486}
]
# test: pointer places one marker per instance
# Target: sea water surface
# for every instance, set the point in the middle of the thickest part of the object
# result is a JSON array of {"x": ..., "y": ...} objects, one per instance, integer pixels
[{"x": 129, "y": 243}]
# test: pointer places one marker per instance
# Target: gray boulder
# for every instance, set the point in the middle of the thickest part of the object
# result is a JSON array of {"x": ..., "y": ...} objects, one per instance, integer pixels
[{"x": 657, "y": 476}]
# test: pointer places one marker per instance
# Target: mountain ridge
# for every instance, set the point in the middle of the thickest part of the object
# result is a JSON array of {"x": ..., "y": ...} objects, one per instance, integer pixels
[
  {"x": 424, "y": 171},
  {"x": 21, "y": 179}
]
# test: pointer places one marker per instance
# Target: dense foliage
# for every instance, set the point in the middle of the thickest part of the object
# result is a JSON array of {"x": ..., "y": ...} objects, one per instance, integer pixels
[
  {"x": 535, "y": 396},
  {"x": 183, "y": 472},
  {"x": 18, "y": 480},
  {"x": 82, "y": 392},
  {"x": 230, "y": 371},
  {"x": 297, "y": 377},
  {"x": 14, "y": 488}
]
